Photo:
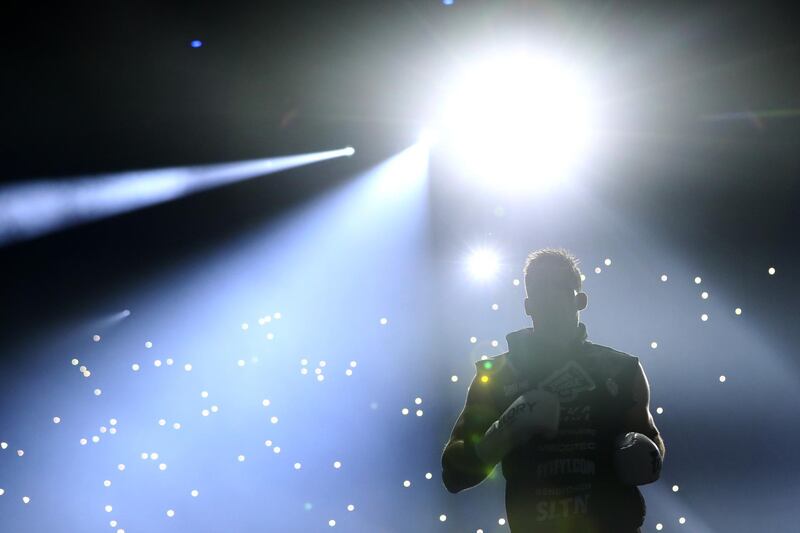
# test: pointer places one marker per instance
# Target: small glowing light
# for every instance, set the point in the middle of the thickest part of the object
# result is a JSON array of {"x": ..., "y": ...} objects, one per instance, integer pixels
[
  {"x": 162, "y": 466},
  {"x": 176, "y": 425},
  {"x": 722, "y": 379},
  {"x": 170, "y": 361},
  {"x": 195, "y": 493},
  {"x": 204, "y": 394},
  {"x": 304, "y": 371},
  {"x": 484, "y": 379},
  {"x": 515, "y": 282},
  {"x": 659, "y": 526},
  {"x": 113, "y": 421},
  {"x": 121, "y": 467},
  {"x": 348, "y": 372},
  {"x": 2, "y": 491},
  {"x": 214, "y": 408},
  {"x": 495, "y": 307},
  {"x": 682, "y": 520},
  {"x": 704, "y": 295},
  {"x": 245, "y": 327},
  {"x": 270, "y": 336},
  {"x": 353, "y": 364},
  {"x": 135, "y": 367},
  {"x": 483, "y": 264},
  {"x": 738, "y": 311},
  {"x": 674, "y": 488},
  {"x": 406, "y": 483},
  {"x": 196, "y": 44},
  {"x": 276, "y": 449},
  {"x": 26, "y": 500},
  {"x": 494, "y": 344},
  {"x": 660, "y": 410},
  {"x": 274, "y": 419},
  {"x": 698, "y": 280},
  {"x": 417, "y": 400},
  {"x": 428, "y": 475},
  {"x": 663, "y": 277},
  {"x": 204, "y": 412},
  {"x": 3, "y": 445},
  {"x": 704, "y": 317},
  {"x": 113, "y": 523},
  {"x": 95, "y": 439},
  {"x": 304, "y": 361},
  {"x": 87, "y": 374},
  {"x": 331, "y": 522},
  {"x": 170, "y": 513},
  {"x": 419, "y": 412},
  {"x": 771, "y": 271},
  {"x": 187, "y": 367},
  {"x": 241, "y": 458},
  {"x": 84, "y": 442},
  {"x": 442, "y": 517},
  {"x": 320, "y": 378},
  {"x": 75, "y": 362},
  {"x": 607, "y": 261},
  {"x": 454, "y": 378},
  {"x": 267, "y": 443},
  {"x": 337, "y": 464},
  {"x": 473, "y": 340},
  {"x": 322, "y": 364},
  {"x": 107, "y": 483},
  {"x": 148, "y": 344},
  {"x": 109, "y": 508},
  {"x": 348, "y": 151},
  {"x": 427, "y": 137},
  {"x": 113, "y": 431},
  {"x": 404, "y": 410},
  {"x": 157, "y": 363},
  {"x": 82, "y": 369},
  {"x": 265, "y": 402},
  {"x": 501, "y": 521},
  {"x": 297, "y": 466},
  {"x": 318, "y": 371},
  {"x": 654, "y": 345},
  {"x": 351, "y": 507},
  {"x": 56, "y": 420},
  {"x": 20, "y": 453},
  {"x": 240, "y": 362},
  {"x": 143, "y": 455},
  {"x": 597, "y": 270},
  {"x": 96, "y": 338},
  {"x": 277, "y": 315},
  {"x": 384, "y": 321},
  {"x": 162, "y": 422}
]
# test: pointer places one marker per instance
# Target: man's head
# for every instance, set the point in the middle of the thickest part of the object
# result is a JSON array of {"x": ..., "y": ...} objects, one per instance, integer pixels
[{"x": 553, "y": 288}]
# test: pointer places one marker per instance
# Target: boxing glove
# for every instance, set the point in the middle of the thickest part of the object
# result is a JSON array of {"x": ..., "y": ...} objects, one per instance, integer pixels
[
  {"x": 536, "y": 412},
  {"x": 637, "y": 460}
]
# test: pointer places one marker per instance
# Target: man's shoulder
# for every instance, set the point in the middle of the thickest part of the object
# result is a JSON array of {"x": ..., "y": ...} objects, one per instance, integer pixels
[{"x": 611, "y": 357}]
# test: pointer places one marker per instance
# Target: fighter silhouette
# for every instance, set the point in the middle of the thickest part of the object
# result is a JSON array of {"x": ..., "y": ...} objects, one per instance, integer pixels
[{"x": 568, "y": 419}]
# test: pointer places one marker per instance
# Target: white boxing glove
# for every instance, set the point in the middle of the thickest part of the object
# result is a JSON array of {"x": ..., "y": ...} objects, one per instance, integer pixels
[
  {"x": 536, "y": 412},
  {"x": 637, "y": 460}
]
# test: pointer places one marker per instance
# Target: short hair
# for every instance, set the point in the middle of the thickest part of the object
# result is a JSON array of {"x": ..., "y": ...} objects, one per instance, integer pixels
[{"x": 558, "y": 257}]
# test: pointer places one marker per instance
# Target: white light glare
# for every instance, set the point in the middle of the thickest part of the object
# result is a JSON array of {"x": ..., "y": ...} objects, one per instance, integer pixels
[
  {"x": 519, "y": 117},
  {"x": 483, "y": 264}
]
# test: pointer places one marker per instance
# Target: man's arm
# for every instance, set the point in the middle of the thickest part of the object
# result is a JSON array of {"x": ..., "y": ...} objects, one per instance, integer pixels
[
  {"x": 638, "y": 418},
  {"x": 461, "y": 467}
]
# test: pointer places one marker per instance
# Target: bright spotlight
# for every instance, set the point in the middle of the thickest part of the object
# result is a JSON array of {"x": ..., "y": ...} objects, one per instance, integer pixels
[
  {"x": 519, "y": 119},
  {"x": 483, "y": 264},
  {"x": 349, "y": 151},
  {"x": 428, "y": 137}
]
